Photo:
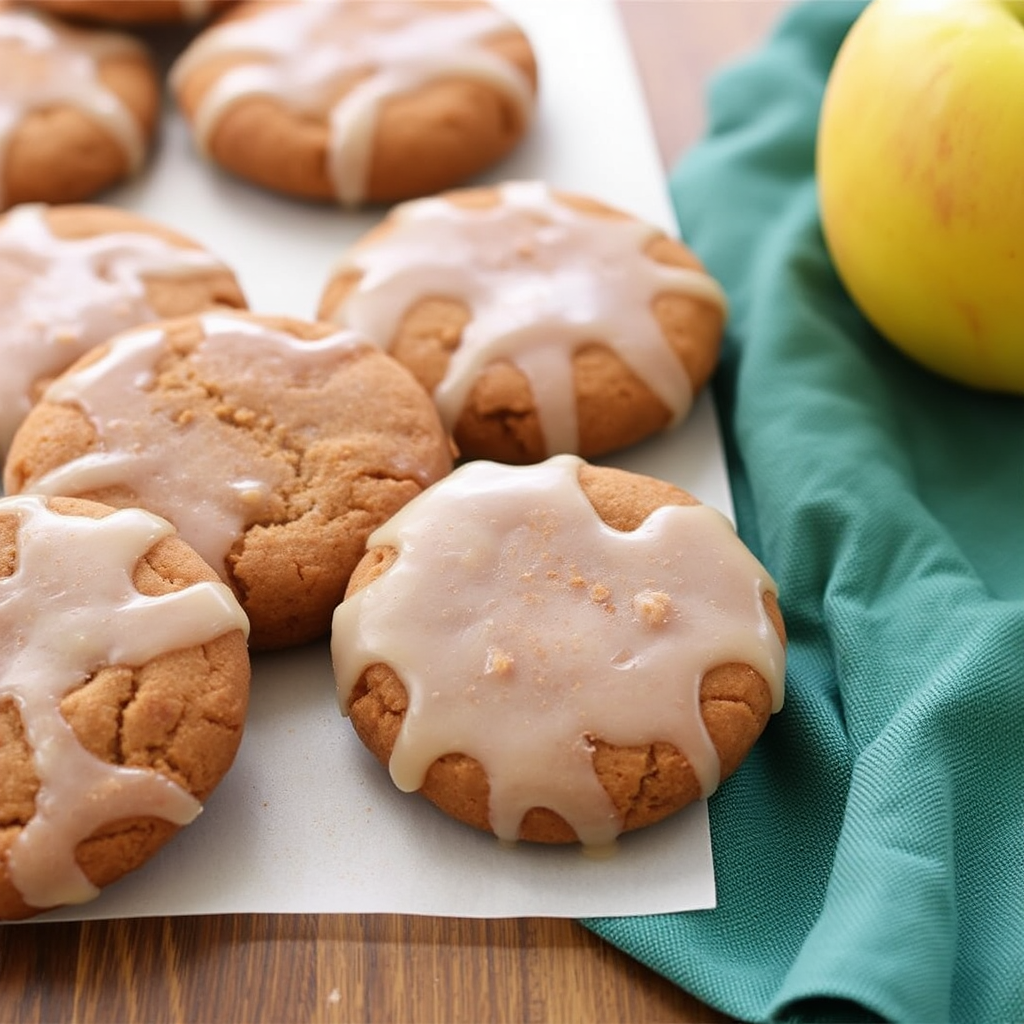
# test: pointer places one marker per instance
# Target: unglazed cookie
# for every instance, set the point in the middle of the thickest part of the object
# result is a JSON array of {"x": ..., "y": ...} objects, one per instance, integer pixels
[
  {"x": 134, "y": 12},
  {"x": 359, "y": 102},
  {"x": 275, "y": 446},
  {"x": 77, "y": 108},
  {"x": 72, "y": 277},
  {"x": 124, "y": 680},
  {"x": 541, "y": 322},
  {"x": 560, "y": 651}
]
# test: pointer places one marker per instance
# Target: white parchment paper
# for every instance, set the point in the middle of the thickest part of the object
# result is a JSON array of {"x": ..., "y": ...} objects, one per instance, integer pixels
[{"x": 307, "y": 821}]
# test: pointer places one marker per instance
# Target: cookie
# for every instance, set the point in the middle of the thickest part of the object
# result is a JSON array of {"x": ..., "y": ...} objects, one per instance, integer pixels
[
  {"x": 275, "y": 446},
  {"x": 542, "y": 322},
  {"x": 559, "y": 651},
  {"x": 78, "y": 107},
  {"x": 124, "y": 680},
  {"x": 71, "y": 277},
  {"x": 358, "y": 102},
  {"x": 134, "y": 12}
]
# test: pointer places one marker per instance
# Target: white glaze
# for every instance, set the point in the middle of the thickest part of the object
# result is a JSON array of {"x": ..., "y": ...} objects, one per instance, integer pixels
[
  {"x": 539, "y": 278},
  {"x": 210, "y": 477},
  {"x": 45, "y": 64},
  {"x": 523, "y": 627},
  {"x": 61, "y": 297},
  {"x": 69, "y": 609},
  {"x": 303, "y": 54}
]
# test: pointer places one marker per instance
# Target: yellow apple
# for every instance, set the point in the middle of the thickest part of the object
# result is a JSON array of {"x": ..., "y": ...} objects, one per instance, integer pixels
[{"x": 920, "y": 164}]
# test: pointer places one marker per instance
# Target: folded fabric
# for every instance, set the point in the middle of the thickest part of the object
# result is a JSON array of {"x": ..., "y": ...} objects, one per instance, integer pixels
[{"x": 870, "y": 853}]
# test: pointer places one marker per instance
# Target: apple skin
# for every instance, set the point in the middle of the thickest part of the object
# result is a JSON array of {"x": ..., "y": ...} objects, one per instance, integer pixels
[{"x": 920, "y": 166}]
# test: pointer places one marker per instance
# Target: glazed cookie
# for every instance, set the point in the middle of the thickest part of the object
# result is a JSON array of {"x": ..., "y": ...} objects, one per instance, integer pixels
[
  {"x": 541, "y": 322},
  {"x": 77, "y": 108},
  {"x": 134, "y": 12},
  {"x": 71, "y": 277},
  {"x": 560, "y": 651},
  {"x": 124, "y": 681},
  {"x": 275, "y": 446},
  {"x": 358, "y": 102}
]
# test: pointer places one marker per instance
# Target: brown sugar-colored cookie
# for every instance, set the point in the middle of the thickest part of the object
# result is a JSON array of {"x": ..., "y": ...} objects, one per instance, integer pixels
[
  {"x": 134, "y": 12},
  {"x": 78, "y": 107},
  {"x": 124, "y": 682},
  {"x": 73, "y": 276},
  {"x": 542, "y": 322},
  {"x": 275, "y": 446},
  {"x": 560, "y": 651},
  {"x": 358, "y": 102}
]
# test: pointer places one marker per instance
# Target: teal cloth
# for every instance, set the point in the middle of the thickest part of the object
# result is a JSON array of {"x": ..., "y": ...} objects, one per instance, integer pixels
[{"x": 870, "y": 853}]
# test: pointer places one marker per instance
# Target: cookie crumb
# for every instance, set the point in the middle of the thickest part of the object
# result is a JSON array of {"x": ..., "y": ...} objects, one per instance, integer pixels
[
  {"x": 652, "y": 607},
  {"x": 499, "y": 662}
]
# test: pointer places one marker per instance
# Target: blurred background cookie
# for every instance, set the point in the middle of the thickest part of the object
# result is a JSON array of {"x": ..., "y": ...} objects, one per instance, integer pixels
[
  {"x": 78, "y": 107},
  {"x": 541, "y": 321},
  {"x": 359, "y": 102},
  {"x": 275, "y": 446},
  {"x": 559, "y": 651},
  {"x": 73, "y": 276},
  {"x": 134, "y": 12},
  {"x": 124, "y": 681}
]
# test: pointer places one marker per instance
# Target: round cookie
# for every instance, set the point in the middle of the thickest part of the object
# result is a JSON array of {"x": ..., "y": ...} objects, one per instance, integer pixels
[
  {"x": 78, "y": 107},
  {"x": 542, "y": 322},
  {"x": 358, "y": 102},
  {"x": 124, "y": 681},
  {"x": 560, "y": 651},
  {"x": 134, "y": 12},
  {"x": 275, "y": 446},
  {"x": 71, "y": 277}
]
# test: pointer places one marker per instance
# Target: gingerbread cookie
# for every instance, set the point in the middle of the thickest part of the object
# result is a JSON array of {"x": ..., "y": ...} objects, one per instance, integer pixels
[
  {"x": 358, "y": 102},
  {"x": 124, "y": 680},
  {"x": 541, "y": 322},
  {"x": 560, "y": 651},
  {"x": 275, "y": 446},
  {"x": 77, "y": 108},
  {"x": 72, "y": 277},
  {"x": 134, "y": 12}
]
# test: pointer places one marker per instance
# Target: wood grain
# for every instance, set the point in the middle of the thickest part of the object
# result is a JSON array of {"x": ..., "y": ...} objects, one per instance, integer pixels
[
  {"x": 330, "y": 968},
  {"x": 678, "y": 46}
]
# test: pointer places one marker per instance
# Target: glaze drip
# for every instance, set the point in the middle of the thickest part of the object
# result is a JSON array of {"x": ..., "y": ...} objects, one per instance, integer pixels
[
  {"x": 69, "y": 609},
  {"x": 540, "y": 278},
  {"x": 341, "y": 61},
  {"x": 61, "y": 297},
  {"x": 223, "y": 475},
  {"x": 523, "y": 628},
  {"x": 45, "y": 64}
]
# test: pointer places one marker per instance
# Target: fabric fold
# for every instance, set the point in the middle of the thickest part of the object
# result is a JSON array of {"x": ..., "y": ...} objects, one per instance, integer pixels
[{"x": 870, "y": 853}]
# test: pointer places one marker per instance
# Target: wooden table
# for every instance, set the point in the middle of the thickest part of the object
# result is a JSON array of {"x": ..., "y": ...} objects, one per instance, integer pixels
[{"x": 388, "y": 968}]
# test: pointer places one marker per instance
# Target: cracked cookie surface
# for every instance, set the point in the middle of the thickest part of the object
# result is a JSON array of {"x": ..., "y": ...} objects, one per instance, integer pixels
[
  {"x": 274, "y": 445},
  {"x": 124, "y": 681},
  {"x": 71, "y": 277},
  {"x": 615, "y": 650}
]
